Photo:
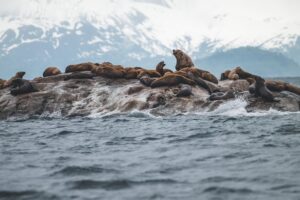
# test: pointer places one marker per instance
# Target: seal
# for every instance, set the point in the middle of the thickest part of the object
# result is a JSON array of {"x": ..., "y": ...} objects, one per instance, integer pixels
[
  {"x": 80, "y": 67},
  {"x": 21, "y": 86},
  {"x": 182, "y": 59},
  {"x": 236, "y": 73},
  {"x": 171, "y": 80},
  {"x": 109, "y": 72},
  {"x": 150, "y": 73},
  {"x": 206, "y": 75},
  {"x": 279, "y": 86},
  {"x": 147, "y": 80},
  {"x": 131, "y": 73},
  {"x": 184, "y": 90},
  {"x": 160, "y": 68},
  {"x": 51, "y": 71},
  {"x": 260, "y": 90},
  {"x": 18, "y": 75},
  {"x": 222, "y": 95}
]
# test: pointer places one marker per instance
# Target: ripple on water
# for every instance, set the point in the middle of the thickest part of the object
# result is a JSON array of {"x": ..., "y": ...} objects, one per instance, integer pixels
[
  {"x": 115, "y": 184},
  {"x": 26, "y": 194},
  {"x": 80, "y": 170}
]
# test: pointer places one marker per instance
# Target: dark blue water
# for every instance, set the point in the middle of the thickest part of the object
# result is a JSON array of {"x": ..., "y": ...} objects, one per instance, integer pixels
[{"x": 136, "y": 156}]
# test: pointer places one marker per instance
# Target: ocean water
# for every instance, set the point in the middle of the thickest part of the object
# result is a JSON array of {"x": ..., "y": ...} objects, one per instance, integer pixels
[{"x": 224, "y": 154}]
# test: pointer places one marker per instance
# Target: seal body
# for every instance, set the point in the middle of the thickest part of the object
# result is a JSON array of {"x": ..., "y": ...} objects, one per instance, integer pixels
[
  {"x": 21, "y": 86},
  {"x": 80, "y": 67},
  {"x": 18, "y": 75},
  {"x": 182, "y": 60},
  {"x": 51, "y": 71},
  {"x": 160, "y": 68},
  {"x": 184, "y": 90},
  {"x": 171, "y": 80},
  {"x": 261, "y": 90}
]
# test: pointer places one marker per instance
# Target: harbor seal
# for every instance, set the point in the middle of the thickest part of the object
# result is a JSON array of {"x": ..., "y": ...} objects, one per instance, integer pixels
[
  {"x": 182, "y": 60},
  {"x": 51, "y": 71}
]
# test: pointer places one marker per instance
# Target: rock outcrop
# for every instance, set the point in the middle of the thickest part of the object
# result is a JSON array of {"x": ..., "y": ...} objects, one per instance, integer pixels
[{"x": 68, "y": 95}]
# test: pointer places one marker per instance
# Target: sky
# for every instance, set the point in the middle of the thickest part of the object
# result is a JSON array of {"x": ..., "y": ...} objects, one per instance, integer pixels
[{"x": 240, "y": 22}]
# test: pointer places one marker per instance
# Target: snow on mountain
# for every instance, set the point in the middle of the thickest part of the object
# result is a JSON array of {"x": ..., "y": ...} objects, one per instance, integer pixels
[{"x": 140, "y": 32}]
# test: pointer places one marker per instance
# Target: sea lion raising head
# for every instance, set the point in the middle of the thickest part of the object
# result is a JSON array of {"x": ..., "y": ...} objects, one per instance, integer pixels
[
  {"x": 160, "y": 68},
  {"x": 261, "y": 90},
  {"x": 182, "y": 59}
]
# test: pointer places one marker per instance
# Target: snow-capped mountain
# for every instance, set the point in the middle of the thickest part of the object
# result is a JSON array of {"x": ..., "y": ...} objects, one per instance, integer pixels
[{"x": 143, "y": 32}]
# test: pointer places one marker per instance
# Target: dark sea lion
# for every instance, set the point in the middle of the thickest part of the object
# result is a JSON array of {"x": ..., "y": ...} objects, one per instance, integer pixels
[
  {"x": 160, "y": 68},
  {"x": 182, "y": 60},
  {"x": 80, "y": 67},
  {"x": 224, "y": 75},
  {"x": 17, "y": 76},
  {"x": 171, "y": 80},
  {"x": 261, "y": 90},
  {"x": 79, "y": 75},
  {"x": 184, "y": 90},
  {"x": 279, "y": 86},
  {"x": 146, "y": 80},
  {"x": 221, "y": 95},
  {"x": 51, "y": 71},
  {"x": 21, "y": 86},
  {"x": 200, "y": 82}
]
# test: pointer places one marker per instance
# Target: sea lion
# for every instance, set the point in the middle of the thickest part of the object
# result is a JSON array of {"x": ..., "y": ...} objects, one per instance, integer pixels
[
  {"x": 2, "y": 82},
  {"x": 260, "y": 90},
  {"x": 147, "y": 80},
  {"x": 171, "y": 80},
  {"x": 109, "y": 72},
  {"x": 182, "y": 60},
  {"x": 131, "y": 73},
  {"x": 279, "y": 86},
  {"x": 18, "y": 75},
  {"x": 21, "y": 86},
  {"x": 51, "y": 71},
  {"x": 221, "y": 95},
  {"x": 184, "y": 90},
  {"x": 236, "y": 73},
  {"x": 206, "y": 75},
  {"x": 160, "y": 68},
  {"x": 150, "y": 73},
  {"x": 200, "y": 82},
  {"x": 80, "y": 67},
  {"x": 79, "y": 75}
]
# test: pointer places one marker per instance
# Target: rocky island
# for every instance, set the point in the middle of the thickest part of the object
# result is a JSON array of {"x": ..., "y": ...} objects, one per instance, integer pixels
[{"x": 92, "y": 88}]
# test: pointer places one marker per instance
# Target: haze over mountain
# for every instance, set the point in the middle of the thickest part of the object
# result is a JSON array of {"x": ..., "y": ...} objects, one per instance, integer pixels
[{"x": 263, "y": 37}]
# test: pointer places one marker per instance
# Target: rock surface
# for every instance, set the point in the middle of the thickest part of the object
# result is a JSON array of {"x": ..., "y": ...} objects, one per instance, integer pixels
[{"x": 83, "y": 97}]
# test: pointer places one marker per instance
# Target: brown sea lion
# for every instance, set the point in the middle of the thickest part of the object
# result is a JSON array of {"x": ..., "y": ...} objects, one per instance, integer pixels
[
  {"x": 160, "y": 68},
  {"x": 80, "y": 67},
  {"x": 150, "y": 73},
  {"x": 260, "y": 90},
  {"x": 18, "y": 75},
  {"x": 236, "y": 73},
  {"x": 2, "y": 82},
  {"x": 171, "y": 80},
  {"x": 278, "y": 86},
  {"x": 51, "y": 71},
  {"x": 182, "y": 60},
  {"x": 21, "y": 86},
  {"x": 224, "y": 75},
  {"x": 131, "y": 73},
  {"x": 109, "y": 72},
  {"x": 206, "y": 75}
]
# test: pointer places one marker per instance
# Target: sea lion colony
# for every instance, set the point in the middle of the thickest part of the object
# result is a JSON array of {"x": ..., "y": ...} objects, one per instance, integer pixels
[{"x": 185, "y": 76}]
